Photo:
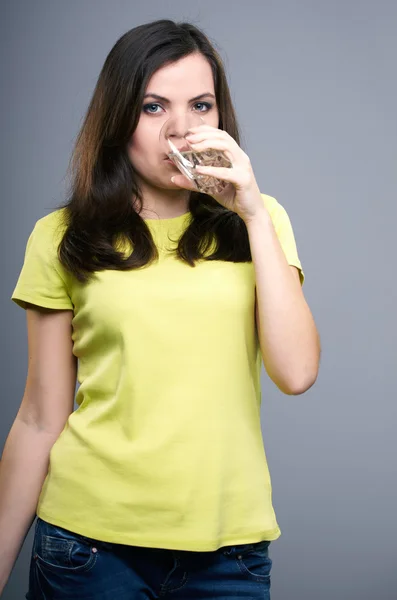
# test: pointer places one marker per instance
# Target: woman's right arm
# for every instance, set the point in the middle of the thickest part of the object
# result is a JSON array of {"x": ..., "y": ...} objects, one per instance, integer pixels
[{"x": 47, "y": 402}]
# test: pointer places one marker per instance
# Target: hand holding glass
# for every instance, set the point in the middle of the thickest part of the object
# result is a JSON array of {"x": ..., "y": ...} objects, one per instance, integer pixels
[{"x": 172, "y": 139}]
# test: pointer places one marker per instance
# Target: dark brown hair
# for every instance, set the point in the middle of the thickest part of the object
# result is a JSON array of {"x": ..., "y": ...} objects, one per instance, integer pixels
[{"x": 100, "y": 205}]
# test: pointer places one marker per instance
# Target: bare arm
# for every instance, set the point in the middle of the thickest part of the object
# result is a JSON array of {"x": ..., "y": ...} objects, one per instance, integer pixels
[
  {"x": 289, "y": 340},
  {"x": 47, "y": 402}
]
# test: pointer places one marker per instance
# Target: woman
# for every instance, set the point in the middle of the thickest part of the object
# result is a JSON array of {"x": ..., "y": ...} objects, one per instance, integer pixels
[{"x": 169, "y": 299}]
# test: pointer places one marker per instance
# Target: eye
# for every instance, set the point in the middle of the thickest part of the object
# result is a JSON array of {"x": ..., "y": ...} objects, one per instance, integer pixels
[
  {"x": 148, "y": 108},
  {"x": 203, "y": 106}
]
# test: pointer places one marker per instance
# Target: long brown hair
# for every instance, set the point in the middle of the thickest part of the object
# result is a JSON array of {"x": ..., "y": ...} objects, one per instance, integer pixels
[{"x": 99, "y": 208}]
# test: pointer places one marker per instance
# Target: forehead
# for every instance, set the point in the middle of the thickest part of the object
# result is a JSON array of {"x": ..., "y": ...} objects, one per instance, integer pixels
[{"x": 191, "y": 74}]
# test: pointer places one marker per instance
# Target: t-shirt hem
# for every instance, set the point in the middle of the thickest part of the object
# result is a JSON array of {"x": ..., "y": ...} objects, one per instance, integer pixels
[
  {"x": 169, "y": 544},
  {"x": 20, "y": 298},
  {"x": 297, "y": 264}
]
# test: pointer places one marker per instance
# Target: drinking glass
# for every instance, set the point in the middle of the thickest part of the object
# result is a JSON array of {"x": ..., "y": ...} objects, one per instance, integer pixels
[{"x": 174, "y": 144}]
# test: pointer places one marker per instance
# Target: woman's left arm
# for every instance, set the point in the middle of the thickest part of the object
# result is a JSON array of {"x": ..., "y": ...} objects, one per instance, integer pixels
[{"x": 288, "y": 337}]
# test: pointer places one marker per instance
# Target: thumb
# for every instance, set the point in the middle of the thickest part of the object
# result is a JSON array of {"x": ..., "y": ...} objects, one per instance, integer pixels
[{"x": 183, "y": 182}]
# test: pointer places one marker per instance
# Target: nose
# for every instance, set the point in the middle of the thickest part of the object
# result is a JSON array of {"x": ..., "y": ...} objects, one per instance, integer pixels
[
  {"x": 178, "y": 128},
  {"x": 179, "y": 125},
  {"x": 177, "y": 131}
]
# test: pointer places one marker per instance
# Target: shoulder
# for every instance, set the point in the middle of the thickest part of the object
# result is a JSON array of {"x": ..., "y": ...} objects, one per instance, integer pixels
[
  {"x": 54, "y": 221},
  {"x": 273, "y": 206},
  {"x": 278, "y": 214},
  {"x": 51, "y": 227}
]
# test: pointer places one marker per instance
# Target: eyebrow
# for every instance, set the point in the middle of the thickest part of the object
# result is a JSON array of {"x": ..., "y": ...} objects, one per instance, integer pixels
[{"x": 166, "y": 101}]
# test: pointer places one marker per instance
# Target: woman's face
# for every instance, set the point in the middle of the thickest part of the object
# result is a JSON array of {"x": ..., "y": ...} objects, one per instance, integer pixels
[{"x": 173, "y": 91}]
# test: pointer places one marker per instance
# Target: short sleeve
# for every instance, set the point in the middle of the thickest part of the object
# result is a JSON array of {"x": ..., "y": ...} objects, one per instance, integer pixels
[
  {"x": 42, "y": 279},
  {"x": 282, "y": 225}
]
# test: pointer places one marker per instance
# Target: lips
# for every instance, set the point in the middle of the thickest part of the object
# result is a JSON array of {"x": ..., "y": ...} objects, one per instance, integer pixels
[{"x": 182, "y": 149}]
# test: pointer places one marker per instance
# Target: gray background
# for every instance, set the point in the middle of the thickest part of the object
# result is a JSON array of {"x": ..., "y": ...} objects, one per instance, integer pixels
[{"x": 314, "y": 83}]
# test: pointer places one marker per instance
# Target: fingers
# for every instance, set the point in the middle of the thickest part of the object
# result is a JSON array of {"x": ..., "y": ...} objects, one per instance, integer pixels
[
  {"x": 207, "y": 133},
  {"x": 215, "y": 144},
  {"x": 205, "y": 137},
  {"x": 224, "y": 173},
  {"x": 210, "y": 137},
  {"x": 199, "y": 128},
  {"x": 183, "y": 182}
]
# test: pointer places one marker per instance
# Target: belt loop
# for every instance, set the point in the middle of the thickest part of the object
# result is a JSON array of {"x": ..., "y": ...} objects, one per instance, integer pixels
[{"x": 229, "y": 550}]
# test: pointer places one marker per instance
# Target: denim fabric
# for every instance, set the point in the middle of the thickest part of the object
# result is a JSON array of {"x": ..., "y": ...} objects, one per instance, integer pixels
[{"x": 68, "y": 566}]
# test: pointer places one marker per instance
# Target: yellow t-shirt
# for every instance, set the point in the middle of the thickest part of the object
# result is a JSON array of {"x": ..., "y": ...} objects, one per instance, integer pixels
[{"x": 165, "y": 449}]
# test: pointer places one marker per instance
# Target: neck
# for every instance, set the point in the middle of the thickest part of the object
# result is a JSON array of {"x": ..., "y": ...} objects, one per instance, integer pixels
[{"x": 160, "y": 203}]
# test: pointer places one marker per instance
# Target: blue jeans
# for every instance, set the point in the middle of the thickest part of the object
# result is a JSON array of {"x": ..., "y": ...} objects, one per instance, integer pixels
[{"x": 68, "y": 566}]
